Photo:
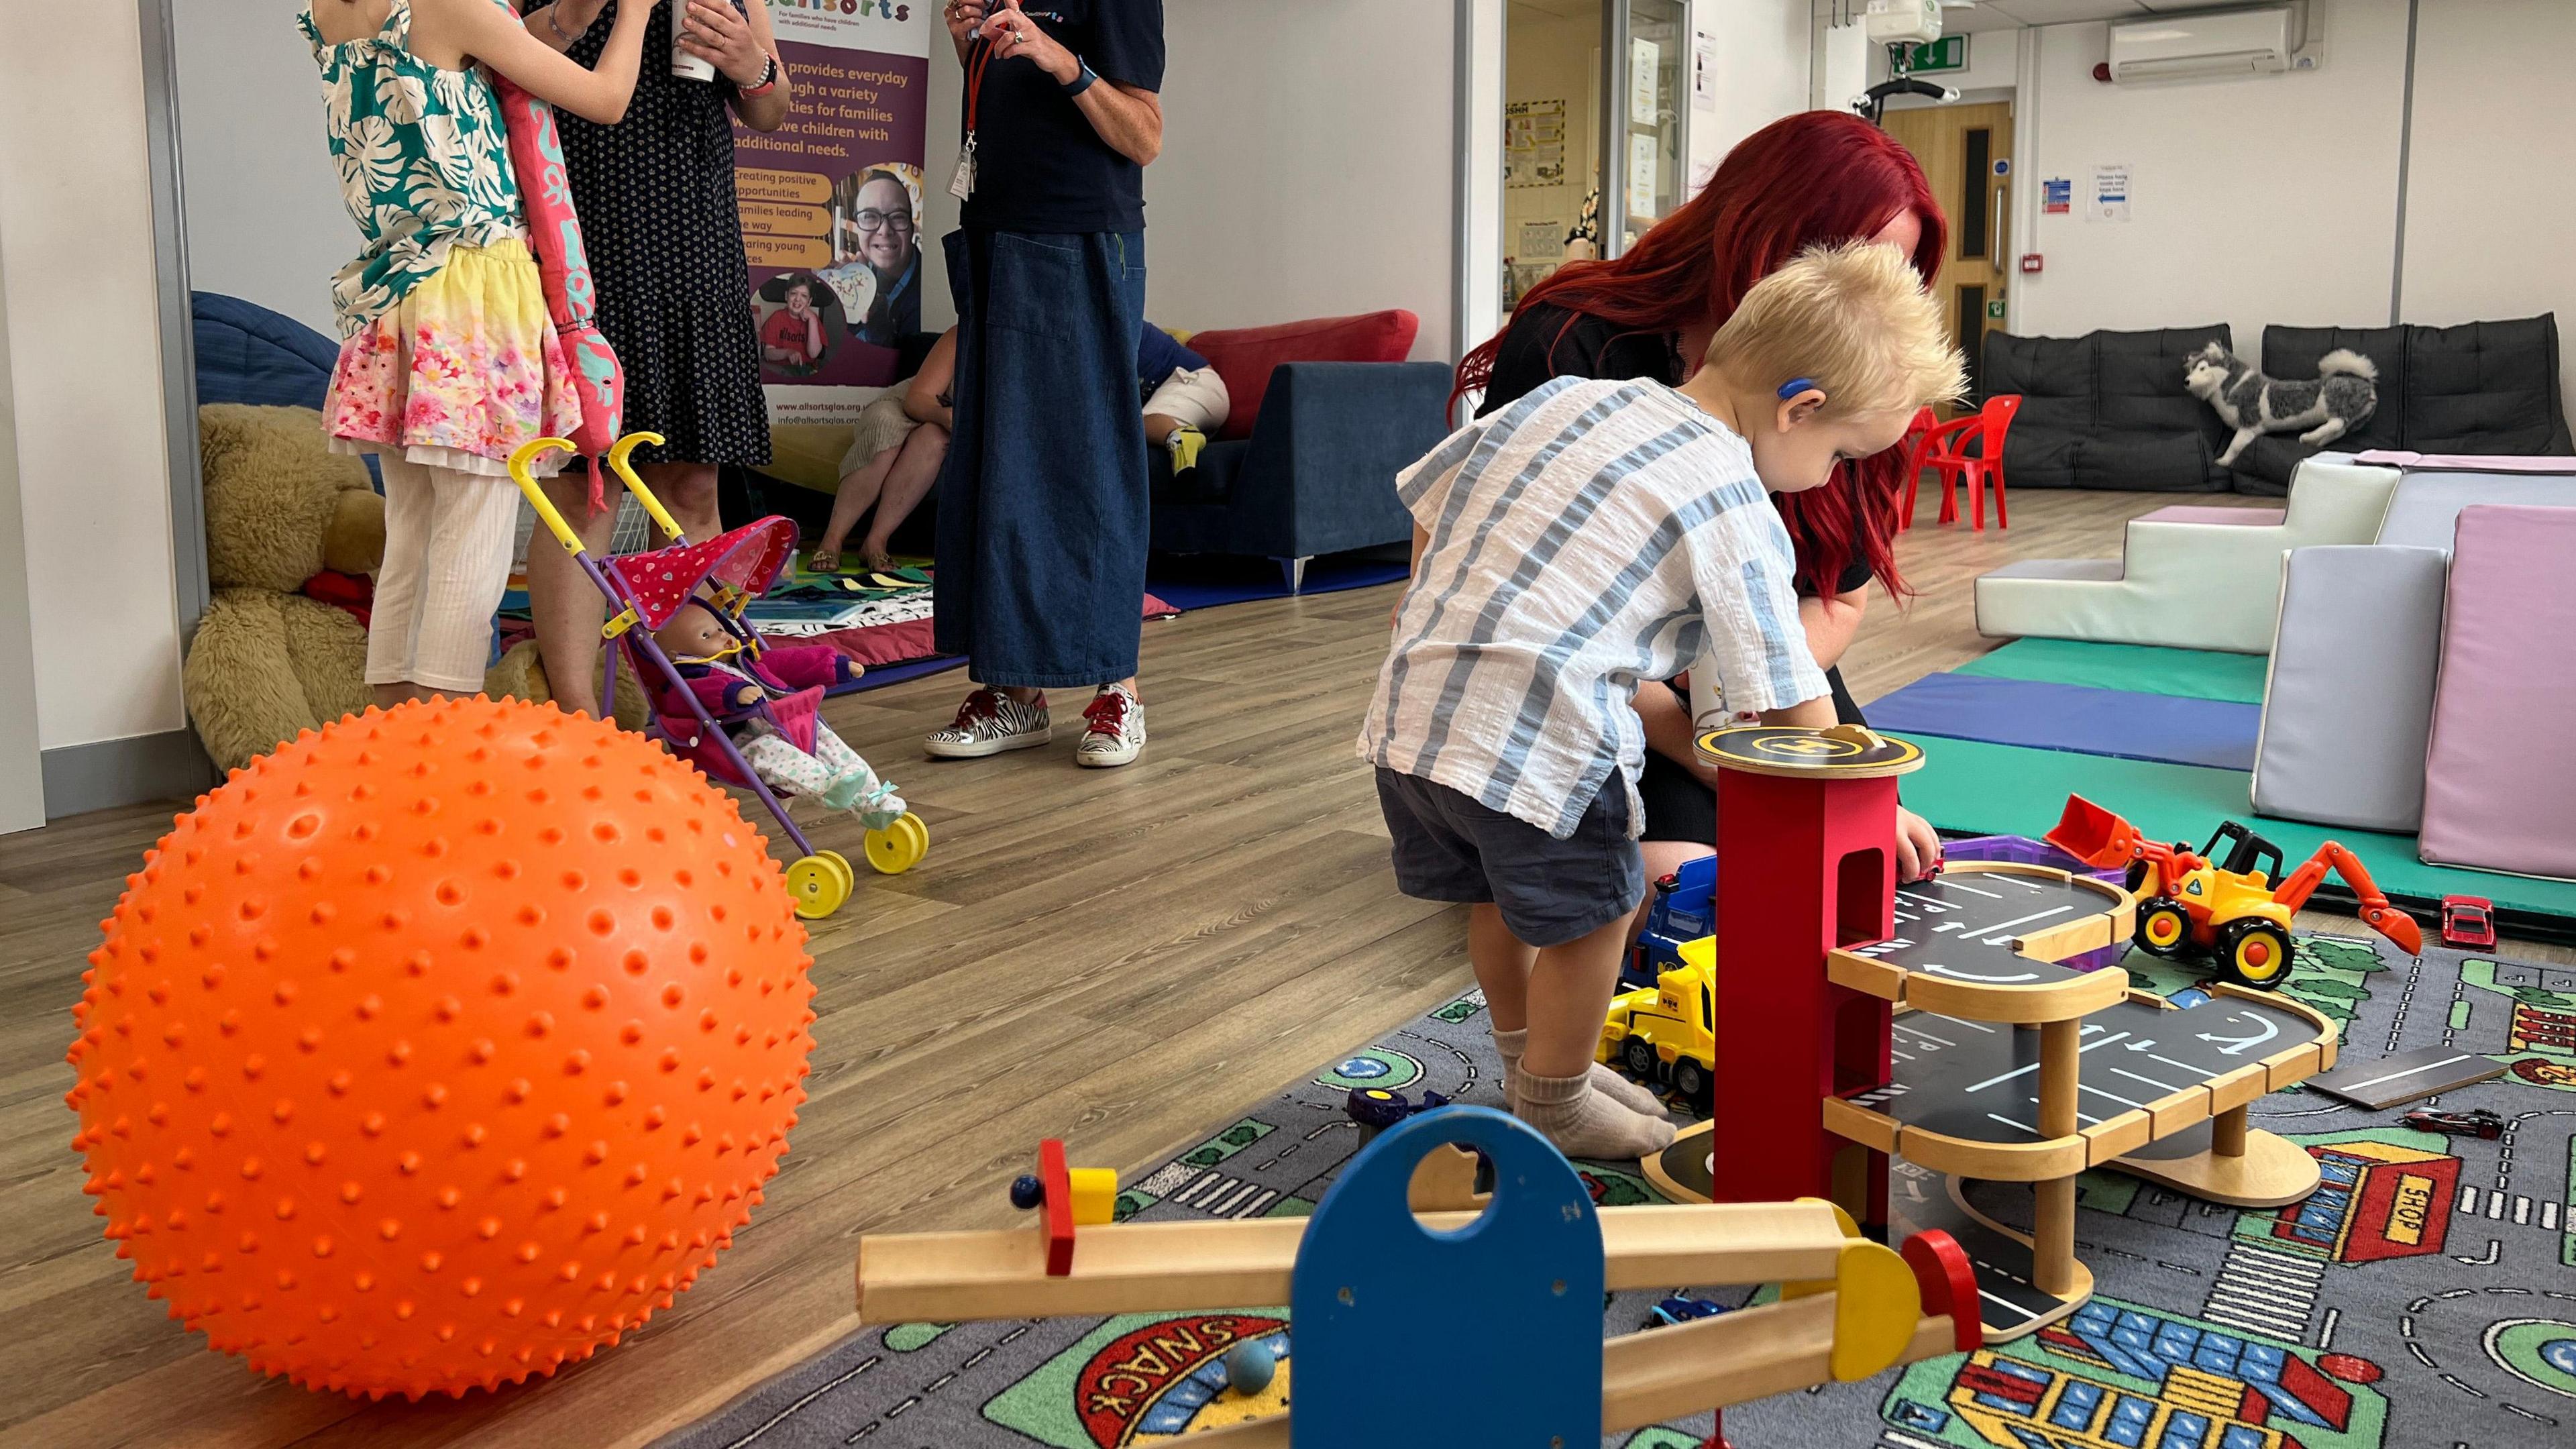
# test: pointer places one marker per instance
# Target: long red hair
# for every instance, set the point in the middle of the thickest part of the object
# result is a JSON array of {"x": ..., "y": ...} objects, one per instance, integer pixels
[{"x": 1811, "y": 178}]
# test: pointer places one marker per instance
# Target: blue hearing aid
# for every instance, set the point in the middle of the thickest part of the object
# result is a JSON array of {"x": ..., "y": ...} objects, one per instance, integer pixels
[{"x": 1795, "y": 386}]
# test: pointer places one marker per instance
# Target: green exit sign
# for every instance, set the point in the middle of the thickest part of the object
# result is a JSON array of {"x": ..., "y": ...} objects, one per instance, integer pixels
[{"x": 1950, "y": 52}]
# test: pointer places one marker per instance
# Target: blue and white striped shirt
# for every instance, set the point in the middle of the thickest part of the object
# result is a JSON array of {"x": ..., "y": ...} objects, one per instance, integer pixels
[{"x": 1592, "y": 535}]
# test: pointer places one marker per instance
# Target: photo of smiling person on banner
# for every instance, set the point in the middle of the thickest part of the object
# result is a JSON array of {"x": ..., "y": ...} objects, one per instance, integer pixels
[{"x": 877, "y": 225}]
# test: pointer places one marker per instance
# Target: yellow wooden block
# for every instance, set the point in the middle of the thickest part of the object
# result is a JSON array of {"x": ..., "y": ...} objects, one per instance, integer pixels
[
  {"x": 1095, "y": 1195},
  {"x": 1876, "y": 1306}
]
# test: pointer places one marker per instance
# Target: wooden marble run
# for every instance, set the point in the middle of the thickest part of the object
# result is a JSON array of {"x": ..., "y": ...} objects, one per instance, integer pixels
[
  {"x": 1886, "y": 1046},
  {"x": 1425, "y": 1315}
]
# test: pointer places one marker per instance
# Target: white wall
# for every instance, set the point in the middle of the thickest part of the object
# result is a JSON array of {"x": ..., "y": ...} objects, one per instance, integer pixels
[
  {"x": 1306, "y": 167},
  {"x": 2270, "y": 199},
  {"x": 265, "y": 222},
  {"x": 84, "y": 365},
  {"x": 1760, "y": 62},
  {"x": 2490, "y": 213}
]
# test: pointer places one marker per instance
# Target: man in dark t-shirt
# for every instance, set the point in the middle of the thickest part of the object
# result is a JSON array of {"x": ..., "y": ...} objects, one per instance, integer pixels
[{"x": 1043, "y": 516}]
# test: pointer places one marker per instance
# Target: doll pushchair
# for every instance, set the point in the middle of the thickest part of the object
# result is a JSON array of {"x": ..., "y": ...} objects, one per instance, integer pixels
[{"x": 723, "y": 575}]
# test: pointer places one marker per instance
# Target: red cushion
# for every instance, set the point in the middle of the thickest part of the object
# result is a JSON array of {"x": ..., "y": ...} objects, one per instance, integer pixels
[{"x": 1243, "y": 356}]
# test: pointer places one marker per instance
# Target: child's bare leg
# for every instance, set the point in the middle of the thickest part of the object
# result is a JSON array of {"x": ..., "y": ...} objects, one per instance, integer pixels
[
  {"x": 1159, "y": 427},
  {"x": 1502, "y": 965},
  {"x": 914, "y": 473},
  {"x": 856, "y": 492},
  {"x": 1569, "y": 992}
]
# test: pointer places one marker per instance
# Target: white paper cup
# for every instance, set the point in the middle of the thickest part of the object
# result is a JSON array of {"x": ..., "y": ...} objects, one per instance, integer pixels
[{"x": 683, "y": 64}]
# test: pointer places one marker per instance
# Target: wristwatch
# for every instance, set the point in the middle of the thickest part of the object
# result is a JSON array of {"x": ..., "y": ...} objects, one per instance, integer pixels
[
  {"x": 768, "y": 78},
  {"x": 1082, "y": 81}
]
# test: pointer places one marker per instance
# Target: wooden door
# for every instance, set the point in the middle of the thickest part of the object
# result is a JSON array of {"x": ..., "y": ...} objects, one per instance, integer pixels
[{"x": 1966, "y": 153}]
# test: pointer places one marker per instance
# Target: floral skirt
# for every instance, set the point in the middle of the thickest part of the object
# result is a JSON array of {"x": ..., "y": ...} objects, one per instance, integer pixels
[{"x": 460, "y": 372}]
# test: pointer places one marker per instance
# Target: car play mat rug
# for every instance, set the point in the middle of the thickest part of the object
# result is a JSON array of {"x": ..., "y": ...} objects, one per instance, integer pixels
[{"x": 2424, "y": 1296}]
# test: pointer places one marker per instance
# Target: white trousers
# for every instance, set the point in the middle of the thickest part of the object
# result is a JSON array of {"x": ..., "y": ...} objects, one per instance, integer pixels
[{"x": 449, "y": 538}]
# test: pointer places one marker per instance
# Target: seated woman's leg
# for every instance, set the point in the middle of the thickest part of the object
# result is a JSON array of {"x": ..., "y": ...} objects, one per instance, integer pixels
[
  {"x": 914, "y": 474},
  {"x": 857, "y": 492}
]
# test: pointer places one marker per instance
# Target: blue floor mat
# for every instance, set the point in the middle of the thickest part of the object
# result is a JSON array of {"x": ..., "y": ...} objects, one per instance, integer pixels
[{"x": 2165, "y": 728}]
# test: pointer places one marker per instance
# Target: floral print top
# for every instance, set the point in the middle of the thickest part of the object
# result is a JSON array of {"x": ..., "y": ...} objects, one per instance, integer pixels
[{"x": 423, "y": 158}]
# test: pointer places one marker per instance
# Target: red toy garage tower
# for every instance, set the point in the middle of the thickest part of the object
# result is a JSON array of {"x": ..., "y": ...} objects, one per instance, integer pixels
[{"x": 1806, "y": 847}]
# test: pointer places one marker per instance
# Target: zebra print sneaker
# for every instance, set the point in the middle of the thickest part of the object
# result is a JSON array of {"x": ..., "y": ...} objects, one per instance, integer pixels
[{"x": 988, "y": 723}]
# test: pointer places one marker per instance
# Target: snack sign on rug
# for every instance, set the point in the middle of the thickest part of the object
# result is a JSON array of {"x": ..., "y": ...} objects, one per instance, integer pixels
[{"x": 831, "y": 204}]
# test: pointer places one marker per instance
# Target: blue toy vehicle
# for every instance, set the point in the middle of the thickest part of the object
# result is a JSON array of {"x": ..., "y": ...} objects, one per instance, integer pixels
[
  {"x": 1680, "y": 1309},
  {"x": 1685, "y": 909},
  {"x": 1376, "y": 1109}
]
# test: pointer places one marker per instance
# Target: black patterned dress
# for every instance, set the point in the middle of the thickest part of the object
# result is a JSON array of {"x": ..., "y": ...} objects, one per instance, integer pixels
[{"x": 658, "y": 217}]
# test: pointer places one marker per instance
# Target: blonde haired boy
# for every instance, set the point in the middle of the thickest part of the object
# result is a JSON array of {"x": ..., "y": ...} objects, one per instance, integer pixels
[{"x": 1592, "y": 535}]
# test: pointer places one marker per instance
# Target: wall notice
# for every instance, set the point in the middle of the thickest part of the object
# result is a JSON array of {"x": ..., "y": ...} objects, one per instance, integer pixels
[
  {"x": 1703, "y": 71},
  {"x": 2057, "y": 196},
  {"x": 1534, "y": 143},
  {"x": 2109, "y": 198},
  {"x": 831, "y": 206}
]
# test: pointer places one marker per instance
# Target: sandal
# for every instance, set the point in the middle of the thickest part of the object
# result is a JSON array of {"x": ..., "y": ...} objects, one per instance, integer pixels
[{"x": 823, "y": 561}]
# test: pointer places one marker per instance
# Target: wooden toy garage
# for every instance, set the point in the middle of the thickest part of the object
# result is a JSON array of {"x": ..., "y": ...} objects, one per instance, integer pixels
[{"x": 1944, "y": 1045}]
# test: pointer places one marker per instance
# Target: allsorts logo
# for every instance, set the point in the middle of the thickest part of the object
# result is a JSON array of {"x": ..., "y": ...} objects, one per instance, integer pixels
[{"x": 882, "y": 9}]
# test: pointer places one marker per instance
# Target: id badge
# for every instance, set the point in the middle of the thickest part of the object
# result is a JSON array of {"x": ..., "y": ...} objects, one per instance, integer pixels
[{"x": 962, "y": 184}]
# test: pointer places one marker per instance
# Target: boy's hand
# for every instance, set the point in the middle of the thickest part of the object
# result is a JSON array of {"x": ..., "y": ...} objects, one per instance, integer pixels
[{"x": 1918, "y": 846}]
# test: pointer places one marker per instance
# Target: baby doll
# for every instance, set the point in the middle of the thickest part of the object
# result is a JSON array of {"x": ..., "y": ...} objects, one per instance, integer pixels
[{"x": 737, "y": 690}]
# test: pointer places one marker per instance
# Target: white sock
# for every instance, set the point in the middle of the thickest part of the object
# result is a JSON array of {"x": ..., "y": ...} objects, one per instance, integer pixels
[
  {"x": 1585, "y": 1123},
  {"x": 1605, "y": 1080}
]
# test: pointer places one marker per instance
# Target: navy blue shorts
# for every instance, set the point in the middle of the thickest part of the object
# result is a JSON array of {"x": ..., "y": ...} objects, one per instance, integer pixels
[{"x": 1550, "y": 891}]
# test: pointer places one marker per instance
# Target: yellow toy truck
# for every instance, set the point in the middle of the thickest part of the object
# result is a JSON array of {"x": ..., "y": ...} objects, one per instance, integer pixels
[{"x": 1666, "y": 1034}]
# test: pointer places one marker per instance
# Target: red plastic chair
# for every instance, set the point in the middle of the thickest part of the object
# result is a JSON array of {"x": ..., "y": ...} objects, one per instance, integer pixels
[
  {"x": 1924, "y": 424},
  {"x": 1946, "y": 451}
]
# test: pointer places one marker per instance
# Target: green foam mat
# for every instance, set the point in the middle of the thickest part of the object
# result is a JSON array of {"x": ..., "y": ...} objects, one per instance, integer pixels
[
  {"x": 2190, "y": 673},
  {"x": 1982, "y": 789}
]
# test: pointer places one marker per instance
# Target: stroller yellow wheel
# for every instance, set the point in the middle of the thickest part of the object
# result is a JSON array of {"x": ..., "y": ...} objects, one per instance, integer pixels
[
  {"x": 820, "y": 883},
  {"x": 900, "y": 846}
]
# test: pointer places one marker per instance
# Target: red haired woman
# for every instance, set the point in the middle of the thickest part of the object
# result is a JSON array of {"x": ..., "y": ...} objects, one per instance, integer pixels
[{"x": 1815, "y": 177}]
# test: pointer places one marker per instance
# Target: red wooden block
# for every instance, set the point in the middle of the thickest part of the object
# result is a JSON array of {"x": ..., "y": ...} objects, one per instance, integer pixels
[
  {"x": 1058, "y": 1182},
  {"x": 1948, "y": 1283}
]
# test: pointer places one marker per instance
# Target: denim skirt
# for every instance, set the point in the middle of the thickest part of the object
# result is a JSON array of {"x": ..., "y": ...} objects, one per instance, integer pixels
[{"x": 1043, "y": 515}]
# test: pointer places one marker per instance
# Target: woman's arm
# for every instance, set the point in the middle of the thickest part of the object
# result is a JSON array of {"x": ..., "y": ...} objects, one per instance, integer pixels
[
  {"x": 1832, "y": 623},
  {"x": 1128, "y": 118},
  {"x": 742, "y": 50},
  {"x": 921, "y": 399},
  {"x": 491, "y": 35}
]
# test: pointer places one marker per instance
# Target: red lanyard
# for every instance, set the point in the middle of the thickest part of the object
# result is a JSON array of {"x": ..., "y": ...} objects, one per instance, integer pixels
[{"x": 978, "y": 58}]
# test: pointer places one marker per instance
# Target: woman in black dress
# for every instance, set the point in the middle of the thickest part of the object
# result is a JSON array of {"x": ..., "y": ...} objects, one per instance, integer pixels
[
  {"x": 664, "y": 236},
  {"x": 1813, "y": 178}
]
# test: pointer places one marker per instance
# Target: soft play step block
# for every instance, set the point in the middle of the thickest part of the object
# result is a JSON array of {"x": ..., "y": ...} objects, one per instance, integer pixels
[
  {"x": 2048, "y": 716},
  {"x": 2350, "y": 700},
  {"x": 2425, "y": 512},
  {"x": 2499, "y": 781},
  {"x": 2191, "y": 577}
]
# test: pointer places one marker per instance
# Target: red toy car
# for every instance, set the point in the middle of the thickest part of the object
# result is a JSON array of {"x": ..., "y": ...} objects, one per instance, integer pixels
[{"x": 2468, "y": 923}]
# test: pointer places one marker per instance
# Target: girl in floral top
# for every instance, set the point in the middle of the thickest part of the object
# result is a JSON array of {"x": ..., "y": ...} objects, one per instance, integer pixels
[{"x": 448, "y": 359}]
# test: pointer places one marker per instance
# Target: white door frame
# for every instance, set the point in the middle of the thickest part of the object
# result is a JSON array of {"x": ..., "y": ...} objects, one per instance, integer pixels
[{"x": 22, "y": 776}]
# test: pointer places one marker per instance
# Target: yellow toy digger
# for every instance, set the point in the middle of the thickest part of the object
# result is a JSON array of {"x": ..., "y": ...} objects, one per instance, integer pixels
[{"x": 2193, "y": 906}]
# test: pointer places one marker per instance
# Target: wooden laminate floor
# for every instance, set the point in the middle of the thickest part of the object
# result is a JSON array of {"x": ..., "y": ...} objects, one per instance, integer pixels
[{"x": 1114, "y": 957}]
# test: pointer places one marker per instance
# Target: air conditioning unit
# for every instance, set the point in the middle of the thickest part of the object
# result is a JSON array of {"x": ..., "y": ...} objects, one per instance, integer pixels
[{"x": 2228, "y": 43}]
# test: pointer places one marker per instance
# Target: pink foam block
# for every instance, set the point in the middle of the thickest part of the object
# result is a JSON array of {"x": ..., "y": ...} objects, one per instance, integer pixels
[
  {"x": 2470, "y": 462},
  {"x": 2499, "y": 780}
]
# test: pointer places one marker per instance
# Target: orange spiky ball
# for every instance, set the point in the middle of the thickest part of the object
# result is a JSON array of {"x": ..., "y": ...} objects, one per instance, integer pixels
[{"x": 440, "y": 1047}]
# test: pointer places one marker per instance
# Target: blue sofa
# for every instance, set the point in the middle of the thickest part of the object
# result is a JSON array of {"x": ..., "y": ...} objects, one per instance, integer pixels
[{"x": 1317, "y": 475}]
